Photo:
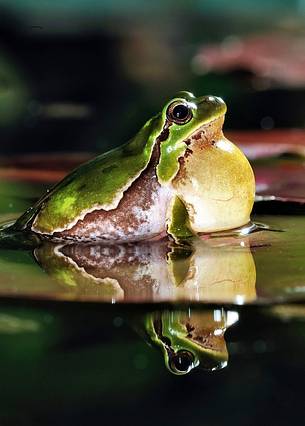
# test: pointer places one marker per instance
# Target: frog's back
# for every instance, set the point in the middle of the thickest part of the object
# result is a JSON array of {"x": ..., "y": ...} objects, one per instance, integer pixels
[{"x": 96, "y": 185}]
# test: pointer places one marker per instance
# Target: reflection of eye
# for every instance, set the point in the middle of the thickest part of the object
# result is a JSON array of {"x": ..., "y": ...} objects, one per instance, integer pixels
[
  {"x": 181, "y": 362},
  {"x": 179, "y": 112}
]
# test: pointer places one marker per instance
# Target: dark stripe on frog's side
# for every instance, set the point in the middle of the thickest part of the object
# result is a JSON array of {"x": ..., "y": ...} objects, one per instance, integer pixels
[
  {"x": 140, "y": 214},
  {"x": 158, "y": 327},
  {"x": 105, "y": 183},
  {"x": 123, "y": 223},
  {"x": 123, "y": 163},
  {"x": 164, "y": 135}
]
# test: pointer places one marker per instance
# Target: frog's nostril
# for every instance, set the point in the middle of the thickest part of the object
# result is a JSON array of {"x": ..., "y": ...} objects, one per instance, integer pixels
[
  {"x": 212, "y": 98},
  {"x": 215, "y": 100},
  {"x": 219, "y": 100}
]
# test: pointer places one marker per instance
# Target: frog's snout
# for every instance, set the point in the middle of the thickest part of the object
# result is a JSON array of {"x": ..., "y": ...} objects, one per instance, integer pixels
[
  {"x": 212, "y": 99},
  {"x": 214, "y": 104},
  {"x": 218, "y": 100},
  {"x": 215, "y": 99}
]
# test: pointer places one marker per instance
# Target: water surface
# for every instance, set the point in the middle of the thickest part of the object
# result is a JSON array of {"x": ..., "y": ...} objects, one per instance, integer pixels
[
  {"x": 210, "y": 332},
  {"x": 260, "y": 267}
]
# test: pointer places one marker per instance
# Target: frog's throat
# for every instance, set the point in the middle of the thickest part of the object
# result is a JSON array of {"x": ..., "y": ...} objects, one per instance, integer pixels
[
  {"x": 208, "y": 132},
  {"x": 206, "y": 339}
]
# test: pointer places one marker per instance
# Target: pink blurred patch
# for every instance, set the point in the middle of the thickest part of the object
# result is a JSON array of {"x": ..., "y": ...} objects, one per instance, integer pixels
[
  {"x": 270, "y": 143},
  {"x": 277, "y": 57},
  {"x": 283, "y": 178}
]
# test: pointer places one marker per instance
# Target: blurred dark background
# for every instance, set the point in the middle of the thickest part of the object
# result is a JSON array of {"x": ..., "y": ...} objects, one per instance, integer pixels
[{"x": 84, "y": 75}]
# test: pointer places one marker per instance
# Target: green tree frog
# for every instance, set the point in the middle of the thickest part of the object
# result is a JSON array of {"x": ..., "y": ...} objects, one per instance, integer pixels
[
  {"x": 179, "y": 175},
  {"x": 190, "y": 339}
]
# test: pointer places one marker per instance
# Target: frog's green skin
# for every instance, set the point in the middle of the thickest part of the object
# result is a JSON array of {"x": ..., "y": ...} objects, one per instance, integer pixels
[
  {"x": 149, "y": 185},
  {"x": 190, "y": 339}
]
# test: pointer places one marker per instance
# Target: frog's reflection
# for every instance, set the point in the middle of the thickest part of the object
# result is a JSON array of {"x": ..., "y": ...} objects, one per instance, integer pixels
[
  {"x": 190, "y": 339},
  {"x": 152, "y": 272}
]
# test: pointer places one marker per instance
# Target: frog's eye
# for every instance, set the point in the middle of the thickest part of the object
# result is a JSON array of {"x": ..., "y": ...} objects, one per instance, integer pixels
[
  {"x": 181, "y": 362},
  {"x": 179, "y": 112}
]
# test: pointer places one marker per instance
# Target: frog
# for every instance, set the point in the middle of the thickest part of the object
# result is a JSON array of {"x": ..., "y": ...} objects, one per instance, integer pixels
[
  {"x": 190, "y": 339},
  {"x": 178, "y": 176}
]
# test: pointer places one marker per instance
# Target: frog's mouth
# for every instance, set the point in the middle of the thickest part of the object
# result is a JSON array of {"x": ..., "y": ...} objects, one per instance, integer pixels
[{"x": 207, "y": 132}]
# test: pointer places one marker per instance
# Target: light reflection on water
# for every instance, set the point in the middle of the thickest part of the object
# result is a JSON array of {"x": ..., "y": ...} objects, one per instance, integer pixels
[
  {"x": 236, "y": 268},
  {"x": 207, "y": 279}
]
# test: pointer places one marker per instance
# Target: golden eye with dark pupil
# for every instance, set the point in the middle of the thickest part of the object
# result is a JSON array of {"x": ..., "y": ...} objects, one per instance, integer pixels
[{"x": 179, "y": 113}]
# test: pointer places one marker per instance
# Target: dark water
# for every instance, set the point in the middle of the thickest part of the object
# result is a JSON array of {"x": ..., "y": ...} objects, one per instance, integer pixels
[
  {"x": 80, "y": 363},
  {"x": 90, "y": 334}
]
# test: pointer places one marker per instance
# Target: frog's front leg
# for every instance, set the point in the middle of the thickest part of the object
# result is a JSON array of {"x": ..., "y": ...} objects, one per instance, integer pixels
[{"x": 178, "y": 224}]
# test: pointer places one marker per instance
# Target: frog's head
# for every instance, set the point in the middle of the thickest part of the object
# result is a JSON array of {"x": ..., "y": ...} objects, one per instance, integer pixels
[
  {"x": 187, "y": 114},
  {"x": 189, "y": 340},
  {"x": 211, "y": 176},
  {"x": 185, "y": 117}
]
